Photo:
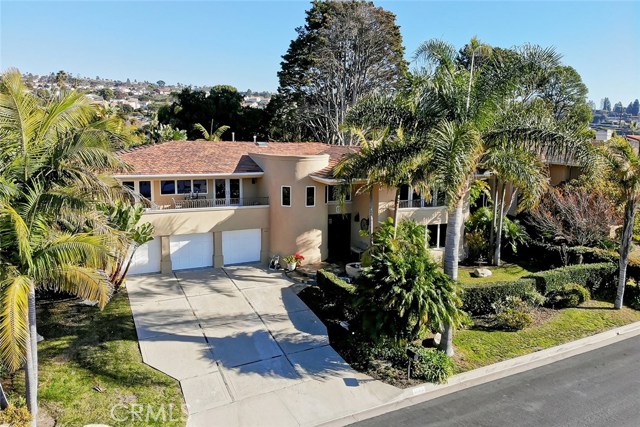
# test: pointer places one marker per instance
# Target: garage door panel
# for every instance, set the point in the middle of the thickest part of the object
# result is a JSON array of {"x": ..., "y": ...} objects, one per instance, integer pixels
[
  {"x": 191, "y": 251},
  {"x": 147, "y": 258},
  {"x": 240, "y": 246}
]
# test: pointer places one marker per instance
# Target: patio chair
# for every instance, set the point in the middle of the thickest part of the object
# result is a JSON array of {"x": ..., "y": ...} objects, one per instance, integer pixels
[{"x": 177, "y": 203}]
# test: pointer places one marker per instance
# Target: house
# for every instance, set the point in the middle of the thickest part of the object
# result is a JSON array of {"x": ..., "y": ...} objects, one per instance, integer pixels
[{"x": 220, "y": 203}]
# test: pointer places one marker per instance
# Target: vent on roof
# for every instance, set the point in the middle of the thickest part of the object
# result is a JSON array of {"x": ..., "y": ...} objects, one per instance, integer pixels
[{"x": 262, "y": 144}]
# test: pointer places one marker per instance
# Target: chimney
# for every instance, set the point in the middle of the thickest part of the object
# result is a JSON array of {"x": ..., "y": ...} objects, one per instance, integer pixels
[
  {"x": 233, "y": 136},
  {"x": 255, "y": 139}
]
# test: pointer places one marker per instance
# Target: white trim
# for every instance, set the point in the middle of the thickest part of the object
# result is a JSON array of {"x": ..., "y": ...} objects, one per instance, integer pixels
[
  {"x": 187, "y": 210},
  {"x": 282, "y": 196},
  {"x": 306, "y": 195},
  {"x": 334, "y": 181},
  {"x": 191, "y": 175}
]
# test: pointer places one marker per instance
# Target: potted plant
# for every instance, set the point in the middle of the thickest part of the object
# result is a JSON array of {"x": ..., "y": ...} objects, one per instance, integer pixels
[{"x": 290, "y": 262}]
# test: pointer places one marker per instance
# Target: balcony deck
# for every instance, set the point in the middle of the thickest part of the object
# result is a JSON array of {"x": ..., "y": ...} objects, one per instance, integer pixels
[{"x": 208, "y": 203}]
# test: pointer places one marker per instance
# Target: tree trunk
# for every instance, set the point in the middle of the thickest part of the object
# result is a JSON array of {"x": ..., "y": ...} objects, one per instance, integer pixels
[
  {"x": 371, "y": 217},
  {"x": 495, "y": 213},
  {"x": 118, "y": 283},
  {"x": 4, "y": 402},
  {"x": 497, "y": 256},
  {"x": 625, "y": 246},
  {"x": 31, "y": 366},
  {"x": 396, "y": 206},
  {"x": 451, "y": 258}
]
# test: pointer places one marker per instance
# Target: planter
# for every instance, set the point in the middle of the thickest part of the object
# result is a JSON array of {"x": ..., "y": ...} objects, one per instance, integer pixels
[{"x": 291, "y": 266}]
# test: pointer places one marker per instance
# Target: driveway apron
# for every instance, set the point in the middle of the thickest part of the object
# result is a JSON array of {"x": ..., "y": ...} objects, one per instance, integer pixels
[{"x": 246, "y": 350}]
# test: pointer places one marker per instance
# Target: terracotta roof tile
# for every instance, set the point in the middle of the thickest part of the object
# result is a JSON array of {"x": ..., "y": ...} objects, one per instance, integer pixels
[{"x": 225, "y": 157}]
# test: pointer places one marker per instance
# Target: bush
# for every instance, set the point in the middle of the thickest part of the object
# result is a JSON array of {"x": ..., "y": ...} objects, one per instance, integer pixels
[
  {"x": 15, "y": 417},
  {"x": 484, "y": 299},
  {"x": 571, "y": 295},
  {"x": 512, "y": 319},
  {"x": 586, "y": 255},
  {"x": 433, "y": 365},
  {"x": 599, "y": 279},
  {"x": 333, "y": 287},
  {"x": 632, "y": 294}
]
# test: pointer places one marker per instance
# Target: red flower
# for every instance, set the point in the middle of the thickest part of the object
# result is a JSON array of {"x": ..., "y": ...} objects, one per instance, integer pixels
[{"x": 298, "y": 257}]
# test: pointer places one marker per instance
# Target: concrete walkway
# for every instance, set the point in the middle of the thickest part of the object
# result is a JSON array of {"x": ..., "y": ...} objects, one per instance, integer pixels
[{"x": 246, "y": 350}]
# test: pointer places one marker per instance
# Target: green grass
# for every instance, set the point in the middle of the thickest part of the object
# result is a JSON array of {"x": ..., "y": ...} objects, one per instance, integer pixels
[
  {"x": 85, "y": 349},
  {"x": 477, "y": 347},
  {"x": 504, "y": 273}
]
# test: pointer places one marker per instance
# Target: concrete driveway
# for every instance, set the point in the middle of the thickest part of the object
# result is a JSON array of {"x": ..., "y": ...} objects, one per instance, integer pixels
[{"x": 246, "y": 350}]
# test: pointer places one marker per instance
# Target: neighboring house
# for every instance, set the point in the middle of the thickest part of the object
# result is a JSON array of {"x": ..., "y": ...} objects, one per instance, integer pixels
[{"x": 219, "y": 203}]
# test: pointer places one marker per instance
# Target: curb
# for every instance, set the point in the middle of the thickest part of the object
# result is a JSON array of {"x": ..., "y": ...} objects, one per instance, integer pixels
[{"x": 428, "y": 391}]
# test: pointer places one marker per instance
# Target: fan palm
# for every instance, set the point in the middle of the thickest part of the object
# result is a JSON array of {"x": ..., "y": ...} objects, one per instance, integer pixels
[
  {"x": 215, "y": 136},
  {"x": 55, "y": 167},
  {"x": 624, "y": 165}
]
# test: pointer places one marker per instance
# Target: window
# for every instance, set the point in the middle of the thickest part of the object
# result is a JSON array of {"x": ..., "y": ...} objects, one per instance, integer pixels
[
  {"x": 221, "y": 189},
  {"x": 234, "y": 191},
  {"x": 331, "y": 194},
  {"x": 128, "y": 184},
  {"x": 437, "y": 235},
  {"x": 199, "y": 186},
  {"x": 184, "y": 186},
  {"x": 145, "y": 189},
  {"x": 311, "y": 197},
  {"x": 286, "y": 196},
  {"x": 168, "y": 187}
]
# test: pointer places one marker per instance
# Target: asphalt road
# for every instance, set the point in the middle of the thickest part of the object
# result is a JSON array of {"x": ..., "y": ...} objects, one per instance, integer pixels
[{"x": 600, "y": 388}]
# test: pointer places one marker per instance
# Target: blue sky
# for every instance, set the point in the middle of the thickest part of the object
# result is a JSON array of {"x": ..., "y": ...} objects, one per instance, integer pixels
[{"x": 241, "y": 42}]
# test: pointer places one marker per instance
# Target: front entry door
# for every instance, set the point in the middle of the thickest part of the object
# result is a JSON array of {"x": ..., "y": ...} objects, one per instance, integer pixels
[{"x": 339, "y": 237}]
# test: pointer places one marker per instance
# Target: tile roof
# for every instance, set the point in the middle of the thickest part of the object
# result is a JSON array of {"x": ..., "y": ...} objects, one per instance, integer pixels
[{"x": 224, "y": 157}]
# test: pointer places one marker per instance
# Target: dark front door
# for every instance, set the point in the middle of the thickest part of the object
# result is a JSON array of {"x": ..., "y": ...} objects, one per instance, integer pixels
[{"x": 339, "y": 237}]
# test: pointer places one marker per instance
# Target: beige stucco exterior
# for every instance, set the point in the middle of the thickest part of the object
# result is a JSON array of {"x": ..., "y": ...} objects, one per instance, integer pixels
[{"x": 285, "y": 230}]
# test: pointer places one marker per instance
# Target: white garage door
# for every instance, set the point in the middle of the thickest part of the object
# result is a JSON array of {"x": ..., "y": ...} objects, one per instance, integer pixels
[
  {"x": 241, "y": 246},
  {"x": 191, "y": 251},
  {"x": 147, "y": 258}
]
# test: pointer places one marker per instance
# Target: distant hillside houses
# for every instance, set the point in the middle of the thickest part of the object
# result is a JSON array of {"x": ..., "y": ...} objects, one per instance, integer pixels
[{"x": 256, "y": 101}]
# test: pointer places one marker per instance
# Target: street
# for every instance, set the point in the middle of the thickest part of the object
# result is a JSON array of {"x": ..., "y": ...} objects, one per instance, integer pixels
[{"x": 597, "y": 388}]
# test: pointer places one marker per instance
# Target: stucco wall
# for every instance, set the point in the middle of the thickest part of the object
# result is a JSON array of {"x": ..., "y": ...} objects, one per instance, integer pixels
[{"x": 297, "y": 228}]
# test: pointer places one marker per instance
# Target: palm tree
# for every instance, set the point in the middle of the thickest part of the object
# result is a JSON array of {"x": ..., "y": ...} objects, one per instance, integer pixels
[
  {"x": 55, "y": 163},
  {"x": 624, "y": 165},
  {"x": 373, "y": 166},
  {"x": 215, "y": 136}
]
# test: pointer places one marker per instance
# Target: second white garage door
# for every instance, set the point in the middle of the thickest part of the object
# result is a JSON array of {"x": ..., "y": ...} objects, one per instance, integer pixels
[
  {"x": 241, "y": 246},
  {"x": 191, "y": 251}
]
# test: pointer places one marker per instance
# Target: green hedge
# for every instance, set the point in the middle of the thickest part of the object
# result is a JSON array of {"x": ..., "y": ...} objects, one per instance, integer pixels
[
  {"x": 481, "y": 299},
  {"x": 599, "y": 278},
  {"x": 591, "y": 255},
  {"x": 334, "y": 288}
]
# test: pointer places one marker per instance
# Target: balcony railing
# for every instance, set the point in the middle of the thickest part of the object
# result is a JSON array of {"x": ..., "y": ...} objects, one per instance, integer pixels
[
  {"x": 210, "y": 203},
  {"x": 418, "y": 203}
]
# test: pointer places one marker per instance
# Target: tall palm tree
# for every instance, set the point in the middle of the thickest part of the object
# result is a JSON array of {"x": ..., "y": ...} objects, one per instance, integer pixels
[
  {"x": 624, "y": 165},
  {"x": 55, "y": 167}
]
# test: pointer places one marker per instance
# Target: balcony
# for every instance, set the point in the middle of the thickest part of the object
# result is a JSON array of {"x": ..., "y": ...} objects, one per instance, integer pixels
[{"x": 208, "y": 203}]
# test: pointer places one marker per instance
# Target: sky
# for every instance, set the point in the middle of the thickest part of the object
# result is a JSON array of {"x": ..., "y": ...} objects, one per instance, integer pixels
[{"x": 241, "y": 42}]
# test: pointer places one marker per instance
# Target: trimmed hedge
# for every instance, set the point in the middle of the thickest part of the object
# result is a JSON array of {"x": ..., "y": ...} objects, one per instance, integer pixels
[
  {"x": 481, "y": 299},
  {"x": 551, "y": 256},
  {"x": 334, "y": 288},
  {"x": 599, "y": 279}
]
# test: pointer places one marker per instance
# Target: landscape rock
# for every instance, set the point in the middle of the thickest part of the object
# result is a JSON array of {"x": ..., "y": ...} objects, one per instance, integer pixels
[{"x": 481, "y": 272}]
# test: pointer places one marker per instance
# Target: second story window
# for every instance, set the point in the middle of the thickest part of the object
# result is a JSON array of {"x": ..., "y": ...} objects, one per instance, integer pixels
[
  {"x": 331, "y": 194},
  {"x": 286, "y": 195},
  {"x": 310, "y": 200}
]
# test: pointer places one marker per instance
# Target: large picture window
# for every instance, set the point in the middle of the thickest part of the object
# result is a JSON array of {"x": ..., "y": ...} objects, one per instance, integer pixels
[
  {"x": 168, "y": 187},
  {"x": 331, "y": 194}
]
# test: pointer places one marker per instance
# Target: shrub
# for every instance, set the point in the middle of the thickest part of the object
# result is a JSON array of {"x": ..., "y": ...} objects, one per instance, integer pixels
[
  {"x": 483, "y": 299},
  {"x": 15, "y": 416},
  {"x": 587, "y": 255},
  {"x": 512, "y": 319},
  {"x": 571, "y": 295},
  {"x": 632, "y": 294},
  {"x": 334, "y": 287},
  {"x": 432, "y": 365},
  {"x": 477, "y": 245},
  {"x": 599, "y": 278}
]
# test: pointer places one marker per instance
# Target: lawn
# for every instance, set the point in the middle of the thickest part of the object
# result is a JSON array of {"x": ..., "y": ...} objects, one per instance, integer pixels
[
  {"x": 479, "y": 347},
  {"x": 90, "y": 363},
  {"x": 504, "y": 273}
]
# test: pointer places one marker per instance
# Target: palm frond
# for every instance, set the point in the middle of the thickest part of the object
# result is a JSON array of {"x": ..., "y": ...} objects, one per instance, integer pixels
[{"x": 14, "y": 331}]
